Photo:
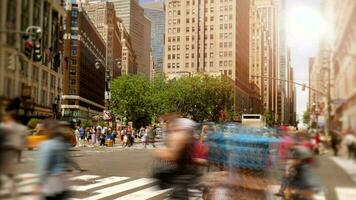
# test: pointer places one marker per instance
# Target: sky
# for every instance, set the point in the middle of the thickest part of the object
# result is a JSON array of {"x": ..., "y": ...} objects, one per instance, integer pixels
[{"x": 303, "y": 26}]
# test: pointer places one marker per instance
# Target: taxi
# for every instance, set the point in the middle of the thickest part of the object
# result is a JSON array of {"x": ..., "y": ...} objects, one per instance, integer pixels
[{"x": 38, "y": 135}]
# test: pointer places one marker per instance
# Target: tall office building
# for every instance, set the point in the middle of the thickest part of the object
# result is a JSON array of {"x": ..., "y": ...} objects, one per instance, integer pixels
[
  {"x": 209, "y": 37},
  {"x": 129, "y": 64},
  {"x": 264, "y": 47},
  {"x": 132, "y": 16},
  {"x": 84, "y": 76},
  {"x": 36, "y": 83},
  {"x": 103, "y": 16},
  {"x": 155, "y": 13}
]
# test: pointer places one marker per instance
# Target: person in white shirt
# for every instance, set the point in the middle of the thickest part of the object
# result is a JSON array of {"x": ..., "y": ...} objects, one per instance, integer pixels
[{"x": 350, "y": 142}]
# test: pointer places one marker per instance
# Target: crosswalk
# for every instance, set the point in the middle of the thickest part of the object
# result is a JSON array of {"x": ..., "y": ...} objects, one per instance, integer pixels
[
  {"x": 95, "y": 187},
  {"x": 91, "y": 187}
]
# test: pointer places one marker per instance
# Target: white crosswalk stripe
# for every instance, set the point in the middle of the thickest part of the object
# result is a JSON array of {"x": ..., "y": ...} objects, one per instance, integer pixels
[{"x": 94, "y": 187}]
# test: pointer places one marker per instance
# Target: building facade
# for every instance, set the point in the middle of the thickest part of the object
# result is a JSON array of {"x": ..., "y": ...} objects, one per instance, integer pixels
[
  {"x": 103, "y": 16},
  {"x": 209, "y": 37},
  {"x": 84, "y": 75},
  {"x": 343, "y": 70},
  {"x": 264, "y": 51},
  {"x": 134, "y": 21},
  {"x": 129, "y": 64},
  {"x": 37, "y": 84},
  {"x": 155, "y": 13}
]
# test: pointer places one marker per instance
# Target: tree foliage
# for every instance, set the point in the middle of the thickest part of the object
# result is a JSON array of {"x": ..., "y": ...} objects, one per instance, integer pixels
[
  {"x": 306, "y": 117},
  {"x": 200, "y": 97}
]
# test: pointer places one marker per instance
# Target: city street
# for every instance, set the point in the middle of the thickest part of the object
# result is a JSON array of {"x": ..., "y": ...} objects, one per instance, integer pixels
[{"x": 124, "y": 174}]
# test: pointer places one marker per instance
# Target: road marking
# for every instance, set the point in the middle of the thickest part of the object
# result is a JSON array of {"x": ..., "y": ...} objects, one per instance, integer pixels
[
  {"x": 99, "y": 183},
  {"x": 144, "y": 194},
  {"x": 345, "y": 193},
  {"x": 106, "y": 192},
  {"x": 347, "y": 165},
  {"x": 26, "y": 176},
  {"x": 84, "y": 177}
]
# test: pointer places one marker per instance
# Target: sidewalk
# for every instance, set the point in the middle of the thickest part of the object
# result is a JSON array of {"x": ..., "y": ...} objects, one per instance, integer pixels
[{"x": 337, "y": 176}]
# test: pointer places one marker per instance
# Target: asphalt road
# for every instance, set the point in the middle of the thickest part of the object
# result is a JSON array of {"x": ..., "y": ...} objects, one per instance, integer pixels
[{"x": 117, "y": 173}]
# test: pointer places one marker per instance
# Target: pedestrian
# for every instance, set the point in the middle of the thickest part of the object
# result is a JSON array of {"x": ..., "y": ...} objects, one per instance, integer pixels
[
  {"x": 113, "y": 135},
  {"x": 93, "y": 137},
  {"x": 350, "y": 142},
  {"x": 181, "y": 172},
  {"x": 82, "y": 135},
  {"x": 77, "y": 135},
  {"x": 144, "y": 138},
  {"x": 335, "y": 142},
  {"x": 102, "y": 139},
  {"x": 152, "y": 135},
  {"x": 53, "y": 163},
  {"x": 18, "y": 133}
]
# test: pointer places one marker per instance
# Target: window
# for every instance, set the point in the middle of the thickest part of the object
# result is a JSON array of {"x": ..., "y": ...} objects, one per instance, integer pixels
[
  {"x": 169, "y": 56},
  {"x": 186, "y": 65},
  {"x": 178, "y": 47},
  {"x": 192, "y": 55},
  {"x": 211, "y": 64},
  {"x": 187, "y": 55},
  {"x": 211, "y": 27},
  {"x": 220, "y": 63},
  {"x": 211, "y": 55},
  {"x": 169, "y": 39},
  {"x": 193, "y": 46},
  {"x": 178, "y": 56},
  {"x": 187, "y": 20},
  {"x": 73, "y": 51},
  {"x": 187, "y": 29},
  {"x": 211, "y": 36},
  {"x": 186, "y": 38},
  {"x": 169, "y": 65},
  {"x": 211, "y": 18},
  {"x": 173, "y": 65},
  {"x": 187, "y": 47},
  {"x": 169, "y": 47},
  {"x": 178, "y": 65},
  {"x": 74, "y": 61}
]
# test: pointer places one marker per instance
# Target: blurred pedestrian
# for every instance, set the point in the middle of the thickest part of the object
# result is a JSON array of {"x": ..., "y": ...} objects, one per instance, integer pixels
[
  {"x": 180, "y": 171},
  {"x": 335, "y": 141},
  {"x": 53, "y": 163},
  {"x": 152, "y": 135},
  {"x": 350, "y": 142},
  {"x": 17, "y": 133}
]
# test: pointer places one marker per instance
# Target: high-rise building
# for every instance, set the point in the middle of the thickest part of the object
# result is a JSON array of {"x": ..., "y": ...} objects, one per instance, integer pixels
[
  {"x": 37, "y": 83},
  {"x": 209, "y": 37},
  {"x": 129, "y": 64},
  {"x": 84, "y": 75},
  {"x": 343, "y": 70},
  {"x": 264, "y": 47},
  {"x": 135, "y": 22},
  {"x": 155, "y": 13},
  {"x": 103, "y": 16}
]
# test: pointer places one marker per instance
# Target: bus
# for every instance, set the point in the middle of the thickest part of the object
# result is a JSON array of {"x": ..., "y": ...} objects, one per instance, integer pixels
[{"x": 253, "y": 120}]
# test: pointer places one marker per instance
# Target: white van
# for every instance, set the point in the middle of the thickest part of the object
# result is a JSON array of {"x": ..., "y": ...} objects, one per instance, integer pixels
[{"x": 253, "y": 120}]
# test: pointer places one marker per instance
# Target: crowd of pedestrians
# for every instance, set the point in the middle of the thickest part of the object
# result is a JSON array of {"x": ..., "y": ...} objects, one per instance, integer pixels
[{"x": 124, "y": 135}]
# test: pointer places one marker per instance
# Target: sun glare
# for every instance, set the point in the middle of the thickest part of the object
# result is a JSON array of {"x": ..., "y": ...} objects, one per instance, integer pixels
[{"x": 304, "y": 24}]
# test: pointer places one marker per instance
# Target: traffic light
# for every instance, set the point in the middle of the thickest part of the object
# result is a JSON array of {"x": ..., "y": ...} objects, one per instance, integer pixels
[
  {"x": 303, "y": 87},
  {"x": 37, "y": 51}
]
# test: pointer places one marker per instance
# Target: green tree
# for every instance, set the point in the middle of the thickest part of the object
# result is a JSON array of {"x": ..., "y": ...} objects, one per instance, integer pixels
[
  {"x": 131, "y": 98},
  {"x": 269, "y": 117},
  {"x": 306, "y": 117}
]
